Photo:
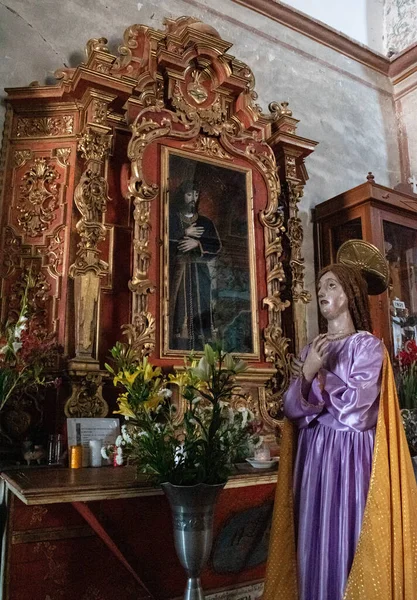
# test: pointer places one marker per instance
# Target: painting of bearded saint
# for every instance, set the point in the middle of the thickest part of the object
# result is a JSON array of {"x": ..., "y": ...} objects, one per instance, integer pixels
[{"x": 209, "y": 288}]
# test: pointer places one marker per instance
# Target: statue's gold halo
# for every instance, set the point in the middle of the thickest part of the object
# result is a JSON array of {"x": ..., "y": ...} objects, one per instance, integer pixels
[{"x": 366, "y": 257}]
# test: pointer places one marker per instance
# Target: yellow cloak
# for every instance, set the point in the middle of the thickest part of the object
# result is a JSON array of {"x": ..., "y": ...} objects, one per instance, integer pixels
[{"x": 385, "y": 562}]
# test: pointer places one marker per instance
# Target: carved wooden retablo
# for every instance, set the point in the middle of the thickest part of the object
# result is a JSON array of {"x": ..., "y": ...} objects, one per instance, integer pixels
[{"x": 86, "y": 186}]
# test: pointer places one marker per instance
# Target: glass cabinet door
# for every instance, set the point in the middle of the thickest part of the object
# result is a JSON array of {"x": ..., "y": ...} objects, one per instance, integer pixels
[
  {"x": 400, "y": 243},
  {"x": 345, "y": 231}
]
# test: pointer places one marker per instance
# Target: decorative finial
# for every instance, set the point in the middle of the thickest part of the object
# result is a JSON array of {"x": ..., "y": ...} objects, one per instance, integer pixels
[
  {"x": 277, "y": 110},
  {"x": 96, "y": 45},
  {"x": 370, "y": 177}
]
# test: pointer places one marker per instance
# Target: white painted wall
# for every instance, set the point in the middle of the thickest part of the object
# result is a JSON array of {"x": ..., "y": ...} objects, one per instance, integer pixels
[{"x": 361, "y": 20}]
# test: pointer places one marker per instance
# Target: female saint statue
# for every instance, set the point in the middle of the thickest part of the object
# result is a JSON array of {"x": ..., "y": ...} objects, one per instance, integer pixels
[{"x": 345, "y": 518}]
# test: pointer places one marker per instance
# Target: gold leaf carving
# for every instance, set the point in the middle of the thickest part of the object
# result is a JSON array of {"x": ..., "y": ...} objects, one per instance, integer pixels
[
  {"x": 94, "y": 145},
  {"x": 91, "y": 197},
  {"x": 295, "y": 235},
  {"x": 141, "y": 334},
  {"x": 21, "y": 157},
  {"x": 210, "y": 119},
  {"x": 62, "y": 155},
  {"x": 209, "y": 147},
  {"x": 196, "y": 90},
  {"x": 45, "y": 126},
  {"x": 38, "y": 198},
  {"x": 276, "y": 351},
  {"x": 54, "y": 251},
  {"x": 99, "y": 111},
  {"x": 12, "y": 251},
  {"x": 144, "y": 132},
  {"x": 86, "y": 399},
  {"x": 96, "y": 45}
]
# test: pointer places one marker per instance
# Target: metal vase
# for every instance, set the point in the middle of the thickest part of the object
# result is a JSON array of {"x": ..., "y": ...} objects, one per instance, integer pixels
[{"x": 192, "y": 516}]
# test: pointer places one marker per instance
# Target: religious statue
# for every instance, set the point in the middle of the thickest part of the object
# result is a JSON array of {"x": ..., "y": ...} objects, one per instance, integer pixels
[{"x": 336, "y": 534}]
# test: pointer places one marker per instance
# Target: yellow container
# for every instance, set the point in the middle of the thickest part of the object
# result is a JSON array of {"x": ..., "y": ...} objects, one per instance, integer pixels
[{"x": 76, "y": 457}]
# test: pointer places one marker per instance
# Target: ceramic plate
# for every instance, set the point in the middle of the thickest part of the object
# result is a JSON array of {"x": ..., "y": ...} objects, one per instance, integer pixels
[{"x": 262, "y": 464}]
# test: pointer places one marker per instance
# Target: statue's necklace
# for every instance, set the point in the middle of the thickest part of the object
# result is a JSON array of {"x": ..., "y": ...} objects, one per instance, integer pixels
[{"x": 339, "y": 337}]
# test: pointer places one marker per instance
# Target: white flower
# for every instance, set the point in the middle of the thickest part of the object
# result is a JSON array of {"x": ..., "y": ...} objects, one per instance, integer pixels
[
  {"x": 16, "y": 346},
  {"x": 125, "y": 435},
  {"x": 119, "y": 441},
  {"x": 20, "y": 327},
  {"x": 165, "y": 393},
  {"x": 105, "y": 452},
  {"x": 229, "y": 362},
  {"x": 202, "y": 371},
  {"x": 244, "y": 411},
  {"x": 179, "y": 454}
]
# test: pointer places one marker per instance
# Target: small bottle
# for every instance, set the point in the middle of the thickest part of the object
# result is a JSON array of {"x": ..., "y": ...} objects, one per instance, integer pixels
[
  {"x": 51, "y": 449},
  {"x": 58, "y": 448}
]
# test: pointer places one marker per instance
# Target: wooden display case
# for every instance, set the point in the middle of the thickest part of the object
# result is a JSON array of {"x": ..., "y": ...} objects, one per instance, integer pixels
[{"x": 388, "y": 219}]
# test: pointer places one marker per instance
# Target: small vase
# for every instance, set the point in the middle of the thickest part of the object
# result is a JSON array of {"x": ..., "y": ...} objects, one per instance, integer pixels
[{"x": 192, "y": 509}]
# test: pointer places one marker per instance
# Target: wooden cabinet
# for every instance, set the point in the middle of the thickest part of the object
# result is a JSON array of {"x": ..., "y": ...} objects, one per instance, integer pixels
[{"x": 388, "y": 219}]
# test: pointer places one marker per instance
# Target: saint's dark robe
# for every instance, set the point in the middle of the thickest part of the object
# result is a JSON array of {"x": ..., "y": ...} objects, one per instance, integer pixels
[{"x": 190, "y": 285}]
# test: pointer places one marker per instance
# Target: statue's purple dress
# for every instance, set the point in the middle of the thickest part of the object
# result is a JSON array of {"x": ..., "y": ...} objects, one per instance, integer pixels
[{"x": 336, "y": 425}]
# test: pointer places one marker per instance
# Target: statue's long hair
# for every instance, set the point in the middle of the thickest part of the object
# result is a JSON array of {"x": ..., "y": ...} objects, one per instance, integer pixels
[{"x": 356, "y": 290}]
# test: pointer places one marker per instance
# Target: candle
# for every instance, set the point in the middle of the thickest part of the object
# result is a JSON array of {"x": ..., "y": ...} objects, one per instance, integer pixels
[{"x": 95, "y": 453}]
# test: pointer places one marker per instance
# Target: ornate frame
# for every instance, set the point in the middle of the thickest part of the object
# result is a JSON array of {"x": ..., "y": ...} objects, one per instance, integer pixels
[{"x": 220, "y": 164}]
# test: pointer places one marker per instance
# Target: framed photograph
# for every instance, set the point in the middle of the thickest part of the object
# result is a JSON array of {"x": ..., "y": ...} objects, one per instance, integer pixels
[{"x": 208, "y": 257}]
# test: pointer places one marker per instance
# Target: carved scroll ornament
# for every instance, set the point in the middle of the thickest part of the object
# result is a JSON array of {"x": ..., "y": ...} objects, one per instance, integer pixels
[{"x": 38, "y": 198}]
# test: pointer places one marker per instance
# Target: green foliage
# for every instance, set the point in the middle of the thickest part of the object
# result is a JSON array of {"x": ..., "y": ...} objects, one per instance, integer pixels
[{"x": 204, "y": 444}]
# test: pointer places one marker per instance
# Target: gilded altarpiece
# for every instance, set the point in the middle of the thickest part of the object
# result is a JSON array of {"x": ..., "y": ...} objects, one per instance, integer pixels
[{"x": 85, "y": 204}]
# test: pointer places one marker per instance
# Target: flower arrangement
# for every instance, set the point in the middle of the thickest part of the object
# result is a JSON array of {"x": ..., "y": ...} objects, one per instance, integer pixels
[
  {"x": 407, "y": 392},
  {"x": 200, "y": 447},
  {"x": 407, "y": 377},
  {"x": 24, "y": 355}
]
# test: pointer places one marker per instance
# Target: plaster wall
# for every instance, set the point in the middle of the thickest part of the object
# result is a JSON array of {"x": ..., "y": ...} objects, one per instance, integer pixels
[
  {"x": 408, "y": 111},
  {"x": 342, "y": 104},
  {"x": 361, "y": 20},
  {"x": 400, "y": 24}
]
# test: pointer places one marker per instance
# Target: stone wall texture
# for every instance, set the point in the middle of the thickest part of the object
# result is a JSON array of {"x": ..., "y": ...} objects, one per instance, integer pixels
[{"x": 400, "y": 24}]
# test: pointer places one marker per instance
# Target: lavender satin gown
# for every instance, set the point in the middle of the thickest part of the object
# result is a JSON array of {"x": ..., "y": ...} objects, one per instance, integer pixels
[{"x": 336, "y": 425}]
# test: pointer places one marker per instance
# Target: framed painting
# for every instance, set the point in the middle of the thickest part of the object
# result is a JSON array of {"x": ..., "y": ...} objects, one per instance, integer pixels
[{"x": 208, "y": 257}]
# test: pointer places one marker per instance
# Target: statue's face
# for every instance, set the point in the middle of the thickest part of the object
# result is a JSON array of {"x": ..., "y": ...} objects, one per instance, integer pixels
[
  {"x": 331, "y": 297},
  {"x": 191, "y": 199}
]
